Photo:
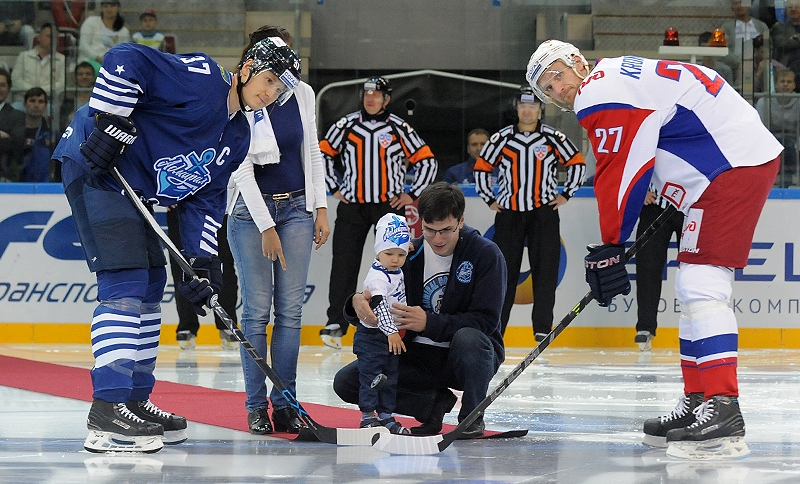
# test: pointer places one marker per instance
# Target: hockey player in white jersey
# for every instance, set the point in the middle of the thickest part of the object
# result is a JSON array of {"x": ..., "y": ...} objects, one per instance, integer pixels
[
  {"x": 173, "y": 126},
  {"x": 704, "y": 148}
]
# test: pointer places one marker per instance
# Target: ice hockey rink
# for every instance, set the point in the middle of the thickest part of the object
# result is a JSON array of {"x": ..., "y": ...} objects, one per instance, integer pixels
[{"x": 584, "y": 409}]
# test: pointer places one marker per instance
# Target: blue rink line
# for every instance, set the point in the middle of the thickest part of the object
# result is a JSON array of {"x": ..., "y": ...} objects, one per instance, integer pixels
[{"x": 469, "y": 190}]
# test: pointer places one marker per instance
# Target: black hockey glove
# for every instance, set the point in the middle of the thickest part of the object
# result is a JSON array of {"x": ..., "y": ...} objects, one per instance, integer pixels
[
  {"x": 606, "y": 273},
  {"x": 104, "y": 146},
  {"x": 208, "y": 281}
]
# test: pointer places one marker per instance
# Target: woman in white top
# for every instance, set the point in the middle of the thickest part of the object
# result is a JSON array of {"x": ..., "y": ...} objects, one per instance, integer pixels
[
  {"x": 271, "y": 228},
  {"x": 98, "y": 34}
]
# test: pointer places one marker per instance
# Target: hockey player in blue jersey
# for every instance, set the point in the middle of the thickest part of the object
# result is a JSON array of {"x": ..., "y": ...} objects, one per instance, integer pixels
[{"x": 173, "y": 127}]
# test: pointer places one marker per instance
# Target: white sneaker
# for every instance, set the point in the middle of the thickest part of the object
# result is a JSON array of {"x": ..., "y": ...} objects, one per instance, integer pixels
[
  {"x": 186, "y": 340},
  {"x": 228, "y": 340},
  {"x": 644, "y": 339}
]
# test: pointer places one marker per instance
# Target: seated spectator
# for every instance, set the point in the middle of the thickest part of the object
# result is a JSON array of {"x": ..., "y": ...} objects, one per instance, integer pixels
[
  {"x": 12, "y": 131},
  {"x": 760, "y": 62},
  {"x": 738, "y": 31},
  {"x": 99, "y": 34},
  {"x": 712, "y": 62},
  {"x": 462, "y": 172},
  {"x": 149, "y": 35},
  {"x": 37, "y": 149},
  {"x": 79, "y": 94},
  {"x": 37, "y": 67},
  {"x": 786, "y": 35},
  {"x": 783, "y": 122},
  {"x": 16, "y": 20}
]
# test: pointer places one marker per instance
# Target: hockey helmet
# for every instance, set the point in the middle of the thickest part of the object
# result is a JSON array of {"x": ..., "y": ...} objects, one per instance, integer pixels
[
  {"x": 274, "y": 55},
  {"x": 525, "y": 95},
  {"x": 378, "y": 84},
  {"x": 548, "y": 52}
]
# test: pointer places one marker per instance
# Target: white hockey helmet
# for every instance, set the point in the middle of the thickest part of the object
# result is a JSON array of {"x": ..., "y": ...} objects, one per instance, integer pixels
[{"x": 548, "y": 52}]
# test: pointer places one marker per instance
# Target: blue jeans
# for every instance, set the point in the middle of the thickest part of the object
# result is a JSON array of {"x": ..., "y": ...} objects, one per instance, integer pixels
[
  {"x": 261, "y": 280},
  {"x": 371, "y": 347},
  {"x": 469, "y": 365}
]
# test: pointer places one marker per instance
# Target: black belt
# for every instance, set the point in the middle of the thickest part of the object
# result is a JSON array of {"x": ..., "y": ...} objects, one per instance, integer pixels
[{"x": 285, "y": 196}]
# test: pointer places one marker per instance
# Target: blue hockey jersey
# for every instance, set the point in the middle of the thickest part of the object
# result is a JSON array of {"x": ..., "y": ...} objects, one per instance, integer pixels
[{"x": 187, "y": 143}]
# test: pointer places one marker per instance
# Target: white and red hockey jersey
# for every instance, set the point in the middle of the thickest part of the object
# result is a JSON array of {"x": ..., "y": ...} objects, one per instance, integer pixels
[{"x": 680, "y": 124}]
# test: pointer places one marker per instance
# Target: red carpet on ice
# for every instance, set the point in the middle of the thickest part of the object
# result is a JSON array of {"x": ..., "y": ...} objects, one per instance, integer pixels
[{"x": 199, "y": 404}]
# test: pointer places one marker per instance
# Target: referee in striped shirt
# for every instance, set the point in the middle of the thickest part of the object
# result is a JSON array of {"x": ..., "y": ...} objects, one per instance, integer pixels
[
  {"x": 650, "y": 260},
  {"x": 527, "y": 155},
  {"x": 365, "y": 156}
]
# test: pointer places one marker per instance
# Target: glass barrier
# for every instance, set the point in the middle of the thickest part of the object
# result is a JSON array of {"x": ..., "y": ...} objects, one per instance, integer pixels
[{"x": 455, "y": 65}]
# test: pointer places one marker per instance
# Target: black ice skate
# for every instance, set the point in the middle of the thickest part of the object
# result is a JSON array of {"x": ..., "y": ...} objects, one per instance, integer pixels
[
  {"x": 655, "y": 429},
  {"x": 718, "y": 432},
  {"x": 174, "y": 425},
  {"x": 114, "y": 428}
]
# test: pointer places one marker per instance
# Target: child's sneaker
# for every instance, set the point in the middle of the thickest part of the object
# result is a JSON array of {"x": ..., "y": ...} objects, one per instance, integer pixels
[{"x": 394, "y": 426}]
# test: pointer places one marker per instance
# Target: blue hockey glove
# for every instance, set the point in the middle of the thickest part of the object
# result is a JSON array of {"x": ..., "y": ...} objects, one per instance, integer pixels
[
  {"x": 104, "y": 146},
  {"x": 208, "y": 281},
  {"x": 606, "y": 273}
]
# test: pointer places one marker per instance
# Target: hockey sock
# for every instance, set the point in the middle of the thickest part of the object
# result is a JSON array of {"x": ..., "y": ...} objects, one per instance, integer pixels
[
  {"x": 691, "y": 376},
  {"x": 114, "y": 339},
  {"x": 149, "y": 334}
]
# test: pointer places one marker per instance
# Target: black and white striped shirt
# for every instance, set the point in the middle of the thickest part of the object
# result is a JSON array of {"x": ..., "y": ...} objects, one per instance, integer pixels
[
  {"x": 373, "y": 154},
  {"x": 528, "y": 167}
]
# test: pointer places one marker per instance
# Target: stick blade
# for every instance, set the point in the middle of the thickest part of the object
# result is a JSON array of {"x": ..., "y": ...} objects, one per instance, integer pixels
[
  {"x": 408, "y": 444},
  {"x": 359, "y": 437}
]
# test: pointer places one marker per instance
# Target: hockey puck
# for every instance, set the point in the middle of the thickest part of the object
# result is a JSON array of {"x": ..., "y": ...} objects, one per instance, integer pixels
[{"x": 378, "y": 382}]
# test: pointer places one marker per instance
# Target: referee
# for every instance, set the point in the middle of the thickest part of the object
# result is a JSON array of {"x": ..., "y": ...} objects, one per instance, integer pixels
[
  {"x": 527, "y": 155},
  {"x": 365, "y": 157}
]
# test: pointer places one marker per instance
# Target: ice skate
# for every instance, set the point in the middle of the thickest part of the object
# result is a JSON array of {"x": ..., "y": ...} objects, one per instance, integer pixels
[
  {"x": 655, "y": 429},
  {"x": 114, "y": 428},
  {"x": 174, "y": 425},
  {"x": 186, "y": 340},
  {"x": 644, "y": 340},
  {"x": 718, "y": 432},
  {"x": 228, "y": 340},
  {"x": 331, "y": 335}
]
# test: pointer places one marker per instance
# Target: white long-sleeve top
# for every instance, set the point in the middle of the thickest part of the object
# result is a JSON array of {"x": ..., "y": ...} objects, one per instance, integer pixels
[
  {"x": 243, "y": 180},
  {"x": 96, "y": 39},
  {"x": 32, "y": 71}
]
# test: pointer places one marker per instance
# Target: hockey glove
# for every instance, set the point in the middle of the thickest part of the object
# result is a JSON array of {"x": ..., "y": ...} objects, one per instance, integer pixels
[
  {"x": 606, "y": 273},
  {"x": 104, "y": 146},
  {"x": 208, "y": 281}
]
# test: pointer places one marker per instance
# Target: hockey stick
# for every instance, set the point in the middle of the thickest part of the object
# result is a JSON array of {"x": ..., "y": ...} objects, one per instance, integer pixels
[
  {"x": 411, "y": 445},
  {"x": 328, "y": 435}
]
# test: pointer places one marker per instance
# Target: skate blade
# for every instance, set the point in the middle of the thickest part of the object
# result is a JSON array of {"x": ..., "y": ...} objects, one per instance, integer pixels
[
  {"x": 333, "y": 342},
  {"x": 724, "y": 448},
  {"x": 173, "y": 437},
  {"x": 645, "y": 346},
  {"x": 654, "y": 441},
  {"x": 103, "y": 442}
]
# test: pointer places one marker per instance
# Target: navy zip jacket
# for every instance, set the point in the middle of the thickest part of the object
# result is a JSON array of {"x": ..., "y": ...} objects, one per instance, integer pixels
[{"x": 474, "y": 294}]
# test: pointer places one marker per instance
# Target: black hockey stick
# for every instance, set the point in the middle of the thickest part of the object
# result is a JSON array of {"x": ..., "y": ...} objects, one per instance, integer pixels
[
  {"x": 328, "y": 435},
  {"x": 410, "y": 445}
]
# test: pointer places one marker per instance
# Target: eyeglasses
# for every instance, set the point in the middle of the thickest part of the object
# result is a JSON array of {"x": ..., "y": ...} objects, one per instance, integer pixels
[{"x": 429, "y": 232}]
